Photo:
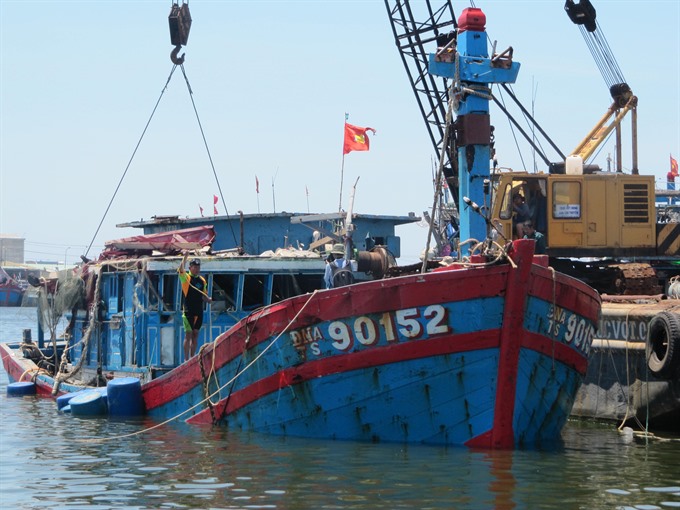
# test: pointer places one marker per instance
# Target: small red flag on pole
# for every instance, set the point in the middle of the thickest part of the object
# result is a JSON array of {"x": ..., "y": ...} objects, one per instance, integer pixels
[
  {"x": 199, "y": 206},
  {"x": 257, "y": 185},
  {"x": 215, "y": 205}
]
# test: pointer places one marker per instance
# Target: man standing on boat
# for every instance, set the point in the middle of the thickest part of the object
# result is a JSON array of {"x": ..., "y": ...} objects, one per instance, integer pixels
[
  {"x": 338, "y": 269},
  {"x": 194, "y": 289}
]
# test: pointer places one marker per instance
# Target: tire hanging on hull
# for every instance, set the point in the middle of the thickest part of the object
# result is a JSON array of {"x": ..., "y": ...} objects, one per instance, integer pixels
[{"x": 663, "y": 344}]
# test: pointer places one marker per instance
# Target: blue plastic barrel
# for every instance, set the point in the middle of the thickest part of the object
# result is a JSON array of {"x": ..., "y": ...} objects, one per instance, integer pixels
[
  {"x": 19, "y": 389},
  {"x": 88, "y": 403},
  {"x": 63, "y": 400},
  {"x": 125, "y": 397}
]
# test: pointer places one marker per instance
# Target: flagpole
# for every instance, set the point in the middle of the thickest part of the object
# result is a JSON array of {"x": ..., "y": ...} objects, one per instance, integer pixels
[
  {"x": 342, "y": 175},
  {"x": 342, "y": 167},
  {"x": 307, "y": 193},
  {"x": 257, "y": 193},
  {"x": 273, "y": 195}
]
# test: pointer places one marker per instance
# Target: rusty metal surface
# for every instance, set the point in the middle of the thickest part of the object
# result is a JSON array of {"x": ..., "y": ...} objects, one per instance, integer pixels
[
  {"x": 629, "y": 321},
  {"x": 636, "y": 278}
]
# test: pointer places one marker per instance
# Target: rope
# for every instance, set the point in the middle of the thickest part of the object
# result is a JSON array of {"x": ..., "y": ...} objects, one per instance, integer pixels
[
  {"x": 206, "y": 380},
  {"x": 628, "y": 397},
  {"x": 440, "y": 170},
  {"x": 35, "y": 372},
  {"x": 238, "y": 367},
  {"x": 498, "y": 254},
  {"x": 554, "y": 304},
  {"x": 238, "y": 374},
  {"x": 130, "y": 161}
]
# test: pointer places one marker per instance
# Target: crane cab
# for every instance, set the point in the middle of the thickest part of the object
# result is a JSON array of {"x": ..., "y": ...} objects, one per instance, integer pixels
[{"x": 588, "y": 215}]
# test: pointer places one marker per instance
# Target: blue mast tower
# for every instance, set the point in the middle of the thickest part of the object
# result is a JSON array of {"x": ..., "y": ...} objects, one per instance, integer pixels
[{"x": 465, "y": 60}]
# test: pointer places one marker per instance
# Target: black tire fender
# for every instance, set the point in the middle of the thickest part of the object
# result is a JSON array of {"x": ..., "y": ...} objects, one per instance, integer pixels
[{"x": 663, "y": 344}]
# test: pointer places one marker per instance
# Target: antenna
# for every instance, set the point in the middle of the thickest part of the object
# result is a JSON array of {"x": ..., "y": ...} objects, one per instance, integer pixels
[{"x": 273, "y": 194}]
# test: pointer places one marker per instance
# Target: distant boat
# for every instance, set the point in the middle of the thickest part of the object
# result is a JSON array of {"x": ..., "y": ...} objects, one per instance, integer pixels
[{"x": 11, "y": 291}]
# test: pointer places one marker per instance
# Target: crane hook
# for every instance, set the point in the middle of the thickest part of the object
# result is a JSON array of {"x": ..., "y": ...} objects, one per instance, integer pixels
[{"x": 178, "y": 61}]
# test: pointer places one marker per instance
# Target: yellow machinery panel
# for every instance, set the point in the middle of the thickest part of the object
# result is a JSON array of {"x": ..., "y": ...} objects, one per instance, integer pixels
[
  {"x": 591, "y": 212},
  {"x": 596, "y": 213}
]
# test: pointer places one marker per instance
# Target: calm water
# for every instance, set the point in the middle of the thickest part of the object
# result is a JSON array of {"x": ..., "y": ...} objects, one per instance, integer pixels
[{"x": 46, "y": 461}]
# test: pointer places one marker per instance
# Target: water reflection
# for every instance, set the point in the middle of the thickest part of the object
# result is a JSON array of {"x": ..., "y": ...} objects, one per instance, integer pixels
[
  {"x": 183, "y": 466},
  {"x": 48, "y": 462}
]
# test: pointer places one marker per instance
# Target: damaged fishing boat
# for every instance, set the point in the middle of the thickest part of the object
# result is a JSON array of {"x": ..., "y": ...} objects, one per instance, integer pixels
[{"x": 485, "y": 351}]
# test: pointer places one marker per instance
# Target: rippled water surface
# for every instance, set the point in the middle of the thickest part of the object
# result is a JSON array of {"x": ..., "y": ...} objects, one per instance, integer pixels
[{"x": 48, "y": 460}]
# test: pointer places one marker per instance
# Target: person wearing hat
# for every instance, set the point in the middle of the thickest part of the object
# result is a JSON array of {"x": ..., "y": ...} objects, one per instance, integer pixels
[
  {"x": 338, "y": 269},
  {"x": 194, "y": 289}
]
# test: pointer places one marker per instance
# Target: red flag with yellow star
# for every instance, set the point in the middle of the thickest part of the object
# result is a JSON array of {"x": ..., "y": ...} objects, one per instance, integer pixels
[{"x": 356, "y": 138}]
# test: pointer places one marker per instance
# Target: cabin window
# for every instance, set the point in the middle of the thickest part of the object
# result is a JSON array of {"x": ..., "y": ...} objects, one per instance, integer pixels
[
  {"x": 224, "y": 292},
  {"x": 121, "y": 292},
  {"x": 254, "y": 291},
  {"x": 506, "y": 205},
  {"x": 566, "y": 200},
  {"x": 169, "y": 291},
  {"x": 152, "y": 295},
  {"x": 285, "y": 286}
]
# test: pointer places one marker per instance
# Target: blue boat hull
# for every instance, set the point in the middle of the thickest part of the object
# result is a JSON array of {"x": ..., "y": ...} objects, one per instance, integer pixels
[
  {"x": 11, "y": 296},
  {"x": 471, "y": 357}
]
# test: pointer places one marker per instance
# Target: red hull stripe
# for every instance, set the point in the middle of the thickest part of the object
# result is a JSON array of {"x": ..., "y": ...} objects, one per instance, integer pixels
[
  {"x": 386, "y": 355},
  {"x": 355, "y": 361},
  {"x": 569, "y": 293}
]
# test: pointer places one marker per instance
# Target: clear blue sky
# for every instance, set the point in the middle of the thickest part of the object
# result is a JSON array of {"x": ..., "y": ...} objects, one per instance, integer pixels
[{"x": 272, "y": 81}]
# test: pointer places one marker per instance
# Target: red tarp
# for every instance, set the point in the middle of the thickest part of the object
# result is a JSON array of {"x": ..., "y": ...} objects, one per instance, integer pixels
[{"x": 167, "y": 242}]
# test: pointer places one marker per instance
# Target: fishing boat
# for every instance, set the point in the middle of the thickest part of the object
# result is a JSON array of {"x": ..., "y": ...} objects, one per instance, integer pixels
[
  {"x": 485, "y": 350},
  {"x": 11, "y": 292},
  {"x": 486, "y": 353}
]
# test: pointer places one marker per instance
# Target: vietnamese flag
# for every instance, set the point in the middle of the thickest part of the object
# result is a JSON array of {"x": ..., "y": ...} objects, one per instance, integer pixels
[
  {"x": 356, "y": 138},
  {"x": 257, "y": 185},
  {"x": 674, "y": 167},
  {"x": 215, "y": 205}
]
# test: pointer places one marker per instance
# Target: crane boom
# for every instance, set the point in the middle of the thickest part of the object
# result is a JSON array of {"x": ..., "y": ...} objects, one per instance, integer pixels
[{"x": 411, "y": 35}]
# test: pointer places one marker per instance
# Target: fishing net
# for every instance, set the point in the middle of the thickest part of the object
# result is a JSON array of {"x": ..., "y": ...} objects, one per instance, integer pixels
[{"x": 61, "y": 296}]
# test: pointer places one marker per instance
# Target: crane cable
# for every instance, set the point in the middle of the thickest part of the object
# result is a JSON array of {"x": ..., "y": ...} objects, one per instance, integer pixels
[
  {"x": 603, "y": 56},
  {"x": 205, "y": 142},
  {"x": 130, "y": 161},
  {"x": 178, "y": 61}
]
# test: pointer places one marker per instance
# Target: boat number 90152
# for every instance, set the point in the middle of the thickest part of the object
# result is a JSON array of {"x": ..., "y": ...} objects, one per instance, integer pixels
[
  {"x": 407, "y": 324},
  {"x": 575, "y": 330}
]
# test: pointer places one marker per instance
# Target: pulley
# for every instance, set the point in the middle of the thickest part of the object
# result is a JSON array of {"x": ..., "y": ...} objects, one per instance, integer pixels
[
  {"x": 582, "y": 13},
  {"x": 180, "y": 24}
]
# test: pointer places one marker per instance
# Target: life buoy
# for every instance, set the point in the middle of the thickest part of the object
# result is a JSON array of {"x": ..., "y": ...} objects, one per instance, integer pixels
[{"x": 663, "y": 344}]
